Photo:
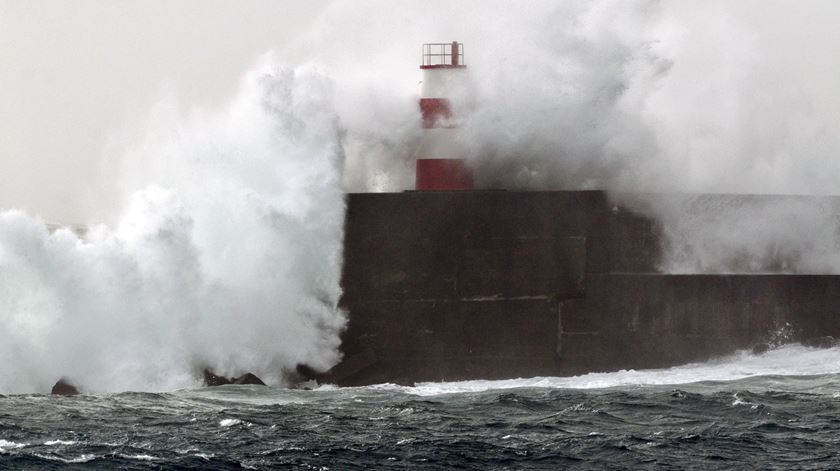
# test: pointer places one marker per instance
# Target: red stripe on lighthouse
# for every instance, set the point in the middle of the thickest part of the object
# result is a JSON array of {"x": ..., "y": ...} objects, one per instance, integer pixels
[{"x": 435, "y": 111}]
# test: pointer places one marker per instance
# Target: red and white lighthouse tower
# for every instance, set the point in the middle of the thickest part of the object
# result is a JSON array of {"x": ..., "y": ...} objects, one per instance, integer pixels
[{"x": 440, "y": 163}]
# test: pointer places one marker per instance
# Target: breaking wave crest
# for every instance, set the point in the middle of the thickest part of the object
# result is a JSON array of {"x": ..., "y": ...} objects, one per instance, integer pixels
[
  {"x": 788, "y": 360},
  {"x": 229, "y": 258}
]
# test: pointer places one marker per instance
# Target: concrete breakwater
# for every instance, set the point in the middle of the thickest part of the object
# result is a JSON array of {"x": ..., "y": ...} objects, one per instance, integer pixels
[{"x": 446, "y": 286}]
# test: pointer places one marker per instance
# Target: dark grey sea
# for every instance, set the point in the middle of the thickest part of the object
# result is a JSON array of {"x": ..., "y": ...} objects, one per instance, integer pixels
[{"x": 730, "y": 413}]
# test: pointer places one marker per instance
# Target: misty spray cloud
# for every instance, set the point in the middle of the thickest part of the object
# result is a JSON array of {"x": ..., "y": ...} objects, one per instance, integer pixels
[
  {"x": 628, "y": 96},
  {"x": 230, "y": 260}
]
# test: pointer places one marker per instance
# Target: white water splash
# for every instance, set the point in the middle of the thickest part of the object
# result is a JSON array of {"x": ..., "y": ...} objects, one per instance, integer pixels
[
  {"x": 230, "y": 259},
  {"x": 8, "y": 445},
  {"x": 59, "y": 442},
  {"x": 789, "y": 360}
]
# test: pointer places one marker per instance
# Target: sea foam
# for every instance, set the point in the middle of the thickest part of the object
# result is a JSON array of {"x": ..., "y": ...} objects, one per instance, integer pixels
[{"x": 788, "y": 360}]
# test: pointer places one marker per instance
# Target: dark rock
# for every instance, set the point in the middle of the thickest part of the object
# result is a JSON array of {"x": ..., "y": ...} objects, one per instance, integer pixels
[
  {"x": 64, "y": 388},
  {"x": 212, "y": 379},
  {"x": 247, "y": 378}
]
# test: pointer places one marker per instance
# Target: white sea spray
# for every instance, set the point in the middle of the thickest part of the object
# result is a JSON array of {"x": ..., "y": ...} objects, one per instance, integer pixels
[{"x": 228, "y": 256}]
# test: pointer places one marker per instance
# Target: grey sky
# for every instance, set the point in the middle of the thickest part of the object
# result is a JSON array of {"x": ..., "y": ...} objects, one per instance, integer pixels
[{"x": 75, "y": 74}]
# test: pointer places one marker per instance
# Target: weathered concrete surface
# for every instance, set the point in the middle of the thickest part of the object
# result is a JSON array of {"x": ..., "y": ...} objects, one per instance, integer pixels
[
  {"x": 421, "y": 243},
  {"x": 424, "y": 340},
  {"x": 494, "y": 284},
  {"x": 650, "y": 320}
]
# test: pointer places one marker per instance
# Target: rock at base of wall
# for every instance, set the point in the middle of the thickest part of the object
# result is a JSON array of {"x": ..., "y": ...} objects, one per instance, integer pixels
[
  {"x": 212, "y": 379},
  {"x": 64, "y": 388},
  {"x": 247, "y": 378}
]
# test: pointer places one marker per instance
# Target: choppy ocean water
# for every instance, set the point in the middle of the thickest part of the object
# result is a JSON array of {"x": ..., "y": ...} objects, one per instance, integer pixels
[{"x": 778, "y": 410}]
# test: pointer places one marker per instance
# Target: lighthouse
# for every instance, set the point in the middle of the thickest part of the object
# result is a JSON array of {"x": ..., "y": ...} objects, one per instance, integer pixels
[{"x": 440, "y": 163}]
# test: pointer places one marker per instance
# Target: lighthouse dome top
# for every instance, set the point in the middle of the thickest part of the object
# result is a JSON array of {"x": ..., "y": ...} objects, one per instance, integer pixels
[{"x": 442, "y": 55}]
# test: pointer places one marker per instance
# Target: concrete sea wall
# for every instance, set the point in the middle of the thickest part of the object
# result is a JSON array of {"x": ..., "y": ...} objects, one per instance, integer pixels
[{"x": 497, "y": 284}]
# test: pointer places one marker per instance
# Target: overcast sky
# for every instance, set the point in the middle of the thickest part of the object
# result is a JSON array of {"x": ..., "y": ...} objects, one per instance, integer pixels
[{"x": 76, "y": 76}]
